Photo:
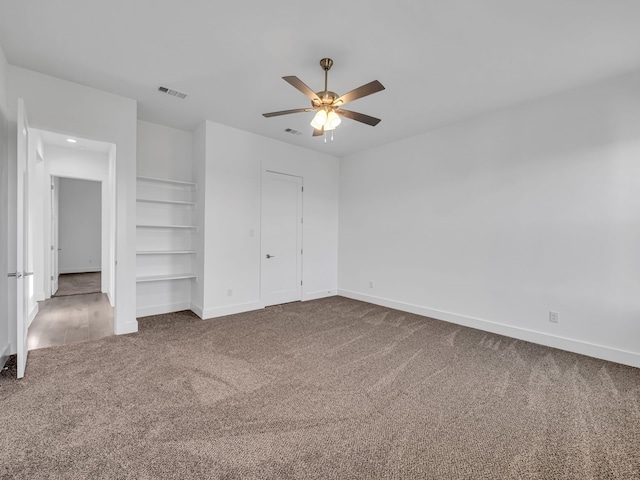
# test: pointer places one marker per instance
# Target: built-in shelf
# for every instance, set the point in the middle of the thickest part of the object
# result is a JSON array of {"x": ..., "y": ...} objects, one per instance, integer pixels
[
  {"x": 170, "y": 202},
  {"x": 160, "y": 278},
  {"x": 172, "y": 227},
  {"x": 166, "y": 237},
  {"x": 165, "y": 252},
  {"x": 166, "y": 180}
]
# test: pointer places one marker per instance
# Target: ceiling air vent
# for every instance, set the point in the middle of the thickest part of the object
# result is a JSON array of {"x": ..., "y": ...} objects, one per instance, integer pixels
[
  {"x": 172, "y": 92},
  {"x": 292, "y": 131}
]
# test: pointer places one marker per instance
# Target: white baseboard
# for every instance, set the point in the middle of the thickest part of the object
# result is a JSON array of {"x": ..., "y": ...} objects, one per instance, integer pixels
[
  {"x": 320, "y": 294},
  {"x": 92, "y": 269},
  {"x": 229, "y": 310},
  {"x": 33, "y": 313},
  {"x": 197, "y": 309},
  {"x": 125, "y": 328},
  {"x": 160, "y": 309},
  {"x": 576, "y": 346},
  {"x": 39, "y": 296}
]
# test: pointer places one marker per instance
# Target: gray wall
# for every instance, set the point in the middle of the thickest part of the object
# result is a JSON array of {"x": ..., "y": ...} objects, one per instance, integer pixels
[{"x": 79, "y": 233}]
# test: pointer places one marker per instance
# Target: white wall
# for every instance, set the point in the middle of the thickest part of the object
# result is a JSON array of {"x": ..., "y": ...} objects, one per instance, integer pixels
[
  {"x": 80, "y": 232},
  {"x": 229, "y": 179},
  {"x": 5, "y": 327},
  {"x": 164, "y": 152},
  {"x": 495, "y": 221},
  {"x": 72, "y": 109},
  {"x": 36, "y": 206},
  {"x": 35, "y": 168}
]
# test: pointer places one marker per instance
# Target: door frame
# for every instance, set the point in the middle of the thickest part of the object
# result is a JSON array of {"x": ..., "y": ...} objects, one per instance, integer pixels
[
  {"x": 53, "y": 248},
  {"x": 106, "y": 177}
]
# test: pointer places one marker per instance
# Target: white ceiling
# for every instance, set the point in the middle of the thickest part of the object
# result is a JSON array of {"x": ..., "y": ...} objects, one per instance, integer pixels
[
  {"x": 440, "y": 60},
  {"x": 60, "y": 140}
]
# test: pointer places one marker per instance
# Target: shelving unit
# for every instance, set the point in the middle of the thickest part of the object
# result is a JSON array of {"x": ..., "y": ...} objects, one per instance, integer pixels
[
  {"x": 187, "y": 227},
  {"x": 159, "y": 278},
  {"x": 170, "y": 202},
  {"x": 170, "y": 181},
  {"x": 165, "y": 254}
]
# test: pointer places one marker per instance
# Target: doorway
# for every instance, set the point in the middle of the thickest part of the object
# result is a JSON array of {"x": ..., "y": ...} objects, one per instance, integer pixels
[
  {"x": 75, "y": 233},
  {"x": 281, "y": 245},
  {"x": 76, "y": 230}
]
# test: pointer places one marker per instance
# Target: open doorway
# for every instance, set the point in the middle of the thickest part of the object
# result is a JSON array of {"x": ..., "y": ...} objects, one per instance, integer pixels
[
  {"x": 75, "y": 236},
  {"x": 77, "y": 224}
]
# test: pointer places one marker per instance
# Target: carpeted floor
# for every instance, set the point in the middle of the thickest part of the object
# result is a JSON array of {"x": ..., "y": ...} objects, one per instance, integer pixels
[
  {"x": 78, "y": 284},
  {"x": 328, "y": 389}
]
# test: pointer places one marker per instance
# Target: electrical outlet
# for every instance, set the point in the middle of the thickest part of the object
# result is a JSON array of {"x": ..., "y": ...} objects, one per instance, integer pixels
[
  {"x": 371, "y": 284},
  {"x": 553, "y": 317},
  {"x": 230, "y": 293}
]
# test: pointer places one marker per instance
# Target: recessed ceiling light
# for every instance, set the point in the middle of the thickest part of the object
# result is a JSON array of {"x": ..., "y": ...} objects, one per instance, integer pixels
[{"x": 71, "y": 140}]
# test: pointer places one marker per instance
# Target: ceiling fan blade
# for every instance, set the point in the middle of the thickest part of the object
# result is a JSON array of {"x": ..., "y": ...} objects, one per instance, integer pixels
[
  {"x": 303, "y": 87},
  {"x": 317, "y": 132},
  {"x": 359, "y": 117},
  {"x": 363, "y": 91},
  {"x": 287, "y": 112}
]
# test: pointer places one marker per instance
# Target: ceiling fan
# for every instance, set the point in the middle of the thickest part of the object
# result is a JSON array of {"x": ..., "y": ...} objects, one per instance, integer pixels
[{"x": 328, "y": 105}]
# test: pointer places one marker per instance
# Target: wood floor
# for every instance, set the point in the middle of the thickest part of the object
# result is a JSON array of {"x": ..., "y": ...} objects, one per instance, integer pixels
[{"x": 71, "y": 319}]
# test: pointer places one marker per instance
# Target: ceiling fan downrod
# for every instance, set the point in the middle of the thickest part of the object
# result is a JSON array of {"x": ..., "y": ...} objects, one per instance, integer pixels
[{"x": 326, "y": 64}]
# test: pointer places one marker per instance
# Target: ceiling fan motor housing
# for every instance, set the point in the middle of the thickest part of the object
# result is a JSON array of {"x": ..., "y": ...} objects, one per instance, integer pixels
[{"x": 326, "y": 97}]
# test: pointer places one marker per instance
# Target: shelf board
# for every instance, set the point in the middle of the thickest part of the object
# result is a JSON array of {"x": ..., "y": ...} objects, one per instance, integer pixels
[
  {"x": 179, "y": 227},
  {"x": 166, "y": 180},
  {"x": 170, "y": 202},
  {"x": 161, "y": 278},
  {"x": 165, "y": 252}
]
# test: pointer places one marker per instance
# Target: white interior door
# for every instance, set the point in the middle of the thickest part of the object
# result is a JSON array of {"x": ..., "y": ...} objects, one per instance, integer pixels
[
  {"x": 281, "y": 245},
  {"x": 54, "y": 234},
  {"x": 22, "y": 250}
]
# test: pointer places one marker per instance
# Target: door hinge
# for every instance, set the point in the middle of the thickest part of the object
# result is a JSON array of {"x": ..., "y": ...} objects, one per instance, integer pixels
[
  {"x": 51, "y": 186},
  {"x": 52, "y": 278},
  {"x": 52, "y": 248},
  {"x": 303, "y": 189},
  {"x": 300, "y": 282},
  {"x": 302, "y": 220},
  {"x": 300, "y": 251}
]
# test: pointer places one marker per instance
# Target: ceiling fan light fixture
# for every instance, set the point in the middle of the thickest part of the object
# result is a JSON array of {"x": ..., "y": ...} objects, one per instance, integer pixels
[
  {"x": 319, "y": 120},
  {"x": 333, "y": 120}
]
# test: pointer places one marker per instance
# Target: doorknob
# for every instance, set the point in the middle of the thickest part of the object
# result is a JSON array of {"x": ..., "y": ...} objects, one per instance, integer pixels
[
  {"x": 15, "y": 274},
  {"x": 270, "y": 256}
]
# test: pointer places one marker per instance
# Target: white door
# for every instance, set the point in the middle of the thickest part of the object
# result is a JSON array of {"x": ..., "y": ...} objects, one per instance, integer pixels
[
  {"x": 22, "y": 250},
  {"x": 54, "y": 235},
  {"x": 281, "y": 249}
]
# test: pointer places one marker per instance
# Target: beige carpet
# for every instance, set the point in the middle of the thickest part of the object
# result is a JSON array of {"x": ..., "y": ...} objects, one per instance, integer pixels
[
  {"x": 328, "y": 389},
  {"x": 78, "y": 284}
]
